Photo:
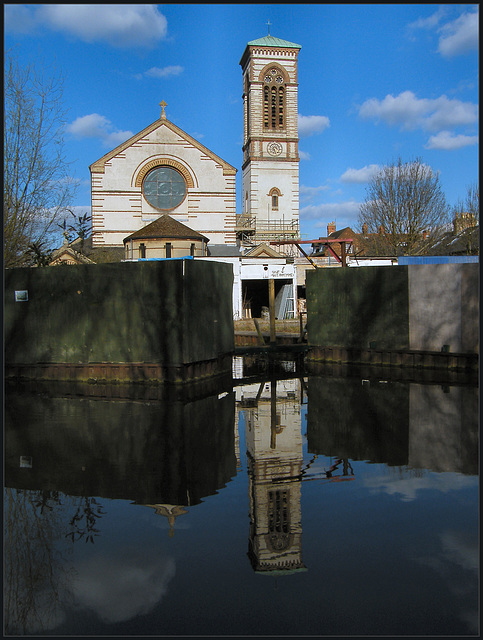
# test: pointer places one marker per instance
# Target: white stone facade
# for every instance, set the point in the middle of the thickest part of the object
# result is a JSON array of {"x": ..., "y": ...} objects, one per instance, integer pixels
[{"x": 119, "y": 205}]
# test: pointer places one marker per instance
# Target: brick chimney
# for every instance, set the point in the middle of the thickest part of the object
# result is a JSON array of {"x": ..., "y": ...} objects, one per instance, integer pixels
[{"x": 330, "y": 228}]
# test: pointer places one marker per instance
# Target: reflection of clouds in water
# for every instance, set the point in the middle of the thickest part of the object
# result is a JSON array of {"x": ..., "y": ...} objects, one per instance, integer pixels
[
  {"x": 122, "y": 587},
  {"x": 458, "y": 563},
  {"x": 407, "y": 487},
  {"x": 461, "y": 548}
]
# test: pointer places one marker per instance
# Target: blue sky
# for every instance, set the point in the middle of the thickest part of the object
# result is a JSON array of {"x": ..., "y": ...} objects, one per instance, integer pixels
[{"x": 376, "y": 82}]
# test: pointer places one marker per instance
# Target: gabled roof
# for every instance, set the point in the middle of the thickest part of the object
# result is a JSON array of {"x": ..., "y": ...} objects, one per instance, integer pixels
[
  {"x": 270, "y": 41},
  {"x": 262, "y": 250},
  {"x": 99, "y": 165},
  {"x": 346, "y": 232},
  {"x": 66, "y": 252},
  {"x": 166, "y": 227}
]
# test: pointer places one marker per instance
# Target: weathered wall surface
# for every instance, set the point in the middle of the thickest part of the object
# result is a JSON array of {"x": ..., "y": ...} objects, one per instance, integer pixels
[
  {"x": 358, "y": 307},
  {"x": 169, "y": 312},
  {"x": 443, "y": 307},
  {"x": 416, "y": 307}
]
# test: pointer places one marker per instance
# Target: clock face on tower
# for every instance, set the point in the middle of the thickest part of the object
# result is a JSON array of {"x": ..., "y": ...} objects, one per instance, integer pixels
[{"x": 274, "y": 148}]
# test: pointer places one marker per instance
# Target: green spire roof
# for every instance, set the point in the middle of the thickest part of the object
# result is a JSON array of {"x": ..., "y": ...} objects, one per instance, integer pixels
[{"x": 270, "y": 41}]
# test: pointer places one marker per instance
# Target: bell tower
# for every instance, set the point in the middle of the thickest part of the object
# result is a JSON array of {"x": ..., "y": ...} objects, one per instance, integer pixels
[{"x": 270, "y": 209}]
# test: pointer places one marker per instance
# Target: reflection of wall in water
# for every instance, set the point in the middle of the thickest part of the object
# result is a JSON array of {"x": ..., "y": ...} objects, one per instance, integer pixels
[
  {"x": 274, "y": 451},
  {"x": 360, "y": 420},
  {"x": 443, "y": 428},
  {"x": 157, "y": 452},
  {"x": 423, "y": 426}
]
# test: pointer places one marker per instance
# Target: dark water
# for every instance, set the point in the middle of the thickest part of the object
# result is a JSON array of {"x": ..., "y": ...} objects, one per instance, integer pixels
[{"x": 284, "y": 507}]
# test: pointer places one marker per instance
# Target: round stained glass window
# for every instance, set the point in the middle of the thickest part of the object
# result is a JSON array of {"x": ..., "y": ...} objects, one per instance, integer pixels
[{"x": 164, "y": 188}]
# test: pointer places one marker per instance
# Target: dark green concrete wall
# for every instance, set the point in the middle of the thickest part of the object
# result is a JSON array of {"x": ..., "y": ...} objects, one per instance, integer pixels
[
  {"x": 358, "y": 307},
  {"x": 169, "y": 312}
]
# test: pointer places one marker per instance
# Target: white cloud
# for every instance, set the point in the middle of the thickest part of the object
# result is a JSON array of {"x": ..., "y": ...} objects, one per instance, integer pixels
[
  {"x": 304, "y": 155},
  {"x": 447, "y": 141},
  {"x": 360, "y": 176},
  {"x": 120, "y": 25},
  {"x": 410, "y": 112},
  {"x": 165, "y": 72},
  {"x": 19, "y": 18},
  {"x": 97, "y": 126},
  {"x": 431, "y": 21},
  {"x": 460, "y": 36},
  {"x": 457, "y": 37},
  {"x": 331, "y": 211},
  {"x": 308, "y": 125},
  {"x": 309, "y": 193}
]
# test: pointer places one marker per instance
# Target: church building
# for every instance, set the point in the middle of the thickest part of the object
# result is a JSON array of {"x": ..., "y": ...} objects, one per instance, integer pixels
[{"x": 164, "y": 171}]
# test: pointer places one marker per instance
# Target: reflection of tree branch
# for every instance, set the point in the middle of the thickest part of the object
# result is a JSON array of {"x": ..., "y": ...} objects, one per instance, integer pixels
[
  {"x": 32, "y": 578},
  {"x": 89, "y": 511}
]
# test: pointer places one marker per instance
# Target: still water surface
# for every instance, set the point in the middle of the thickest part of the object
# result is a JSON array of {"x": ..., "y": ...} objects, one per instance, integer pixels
[{"x": 286, "y": 507}]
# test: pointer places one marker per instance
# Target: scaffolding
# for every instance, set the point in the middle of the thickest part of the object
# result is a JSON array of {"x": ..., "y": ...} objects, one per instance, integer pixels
[{"x": 251, "y": 232}]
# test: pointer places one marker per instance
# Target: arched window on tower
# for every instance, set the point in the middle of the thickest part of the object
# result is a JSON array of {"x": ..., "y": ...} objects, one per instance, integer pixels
[
  {"x": 274, "y": 198},
  {"x": 274, "y": 100}
]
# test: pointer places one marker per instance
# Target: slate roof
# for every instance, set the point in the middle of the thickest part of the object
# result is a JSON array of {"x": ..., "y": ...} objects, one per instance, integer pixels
[
  {"x": 224, "y": 251},
  {"x": 466, "y": 242},
  {"x": 166, "y": 227},
  {"x": 346, "y": 232},
  {"x": 270, "y": 41}
]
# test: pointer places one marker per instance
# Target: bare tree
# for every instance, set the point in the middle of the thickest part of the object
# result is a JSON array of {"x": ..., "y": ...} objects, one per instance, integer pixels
[
  {"x": 405, "y": 209},
  {"x": 468, "y": 210},
  {"x": 37, "y": 186}
]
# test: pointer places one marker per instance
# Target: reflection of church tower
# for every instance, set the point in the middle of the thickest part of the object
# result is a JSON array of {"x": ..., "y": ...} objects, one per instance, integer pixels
[
  {"x": 274, "y": 451},
  {"x": 270, "y": 208}
]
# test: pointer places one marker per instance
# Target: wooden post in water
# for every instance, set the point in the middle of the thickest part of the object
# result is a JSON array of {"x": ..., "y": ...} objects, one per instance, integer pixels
[
  {"x": 271, "y": 307},
  {"x": 261, "y": 339},
  {"x": 273, "y": 414}
]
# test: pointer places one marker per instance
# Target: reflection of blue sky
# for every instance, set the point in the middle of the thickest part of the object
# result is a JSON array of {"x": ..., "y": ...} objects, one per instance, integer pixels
[
  {"x": 122, "y": 584},
  {"x": 457, "y": 561},
  {"x": 408, "y": 484}
]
